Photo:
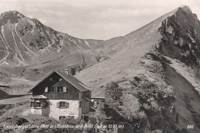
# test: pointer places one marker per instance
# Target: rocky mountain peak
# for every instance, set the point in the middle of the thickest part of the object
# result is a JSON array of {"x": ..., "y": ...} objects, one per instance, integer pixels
[
  {"x": 185, "y": 8},
  {"x": 10, "y": 16},
  {"x": 26, "y": 41},
  {"x": 181, "y": 37}
]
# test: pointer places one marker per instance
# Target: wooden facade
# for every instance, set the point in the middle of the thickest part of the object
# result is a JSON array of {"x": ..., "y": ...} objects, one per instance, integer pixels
[{"x": 59, "y": 87}]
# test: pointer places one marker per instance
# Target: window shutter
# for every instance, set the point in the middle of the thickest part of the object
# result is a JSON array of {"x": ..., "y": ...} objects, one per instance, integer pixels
[
  {"x": 58, "y": 104},
  {"x": 66, "y": 105},
  {"x": 32, "y": 104},
  {"x": 46, "y": 89},
  {"x": 64, "y": 89},
  {"x": 80, "y": 104},
  {"x": 46, "y": 104}
]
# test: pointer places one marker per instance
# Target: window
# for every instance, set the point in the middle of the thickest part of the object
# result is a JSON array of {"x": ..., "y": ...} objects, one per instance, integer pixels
[
  {"x": 38, "y": 104},
  {"x": 70, "y": 117},
  {"x": 61, "y": 117},
  {"x": 46, "y": 89},
  {"x": 63, "y": 104},
  {"x": 51, "y": 89},
  {"x": 60, "y": 89},
  {"x": 46, "y": 104}
]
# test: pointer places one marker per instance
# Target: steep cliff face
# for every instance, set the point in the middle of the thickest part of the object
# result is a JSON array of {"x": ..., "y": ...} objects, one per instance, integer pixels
[{"x": 181, "y": 38}]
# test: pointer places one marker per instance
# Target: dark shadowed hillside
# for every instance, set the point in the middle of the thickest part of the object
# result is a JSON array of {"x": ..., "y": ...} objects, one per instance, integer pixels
[{"x": 187, "y": 99}]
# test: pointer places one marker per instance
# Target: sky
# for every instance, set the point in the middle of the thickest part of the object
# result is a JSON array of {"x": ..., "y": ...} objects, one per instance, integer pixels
[{"x": 96, "y": 19}]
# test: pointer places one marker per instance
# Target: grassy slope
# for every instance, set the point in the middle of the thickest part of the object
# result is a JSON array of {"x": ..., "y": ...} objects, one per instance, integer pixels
[
  {"x": 183, "y": 88},
  {"x": 125, "y": 60},
  {"x": 15, "y": 100}
]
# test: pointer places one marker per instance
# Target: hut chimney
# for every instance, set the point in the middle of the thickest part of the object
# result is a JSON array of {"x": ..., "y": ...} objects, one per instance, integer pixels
[{"x": 67, "y": 71}]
